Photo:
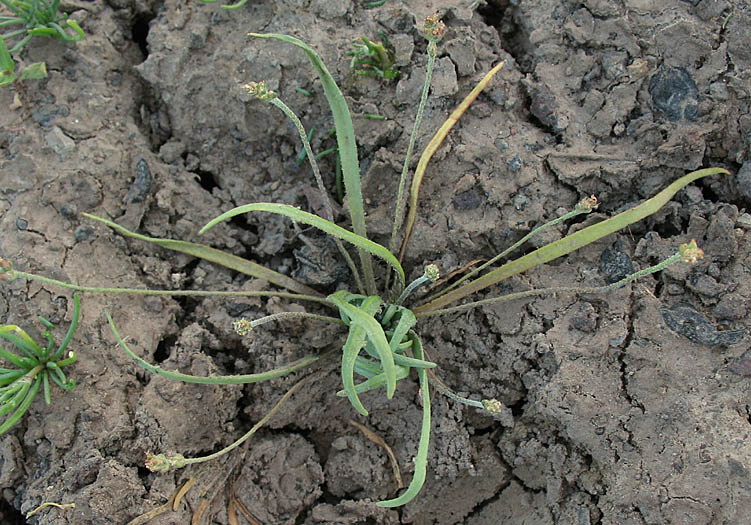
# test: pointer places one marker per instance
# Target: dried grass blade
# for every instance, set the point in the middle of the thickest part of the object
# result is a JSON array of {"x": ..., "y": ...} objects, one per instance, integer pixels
[
  {"x": 432, "y": 147},
  {"x": 378, "y": 440}
]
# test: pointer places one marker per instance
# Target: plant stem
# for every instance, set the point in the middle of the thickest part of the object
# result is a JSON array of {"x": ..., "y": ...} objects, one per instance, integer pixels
[
  {"x": 399, "y": 212},
  {"x": 319, "y": 182},
  {"x": 290, "y": 315},
  {"x": 549, "y": 291},
  {"x": 535, "y": 231},
  {"x": 189, "y": 293},
  {"x": 253, "y": 430}
]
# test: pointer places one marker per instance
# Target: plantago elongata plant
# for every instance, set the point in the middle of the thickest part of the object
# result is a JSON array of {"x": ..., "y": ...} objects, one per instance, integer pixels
[{"x": 383, "y": 330}]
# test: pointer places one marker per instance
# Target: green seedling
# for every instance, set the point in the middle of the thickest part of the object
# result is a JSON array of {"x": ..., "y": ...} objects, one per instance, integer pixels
[
  {"x": 32, "y": 368},
  {"x": 8, "y": 68},
  {"x": 383, "y": 345},
  {"x": 372, "y": 59},
  {"x": 230, "y": 7},
  {"x": 36, "y": 18}
]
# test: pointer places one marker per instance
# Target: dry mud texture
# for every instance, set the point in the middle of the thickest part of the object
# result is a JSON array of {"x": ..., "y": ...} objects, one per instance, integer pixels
[{"x": 628, "y": 408}]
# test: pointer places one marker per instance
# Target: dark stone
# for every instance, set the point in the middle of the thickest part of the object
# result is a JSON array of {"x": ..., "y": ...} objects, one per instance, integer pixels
[
  {"x": 84, "y": 233},
  {"x": 43, "y": 115},
  {"x": 69, "y": 210},
  {"x": 742, "y": 365},
  {"x": 615, "y": 264},
  {"x": 674, "y": 93},
  {"x": 22, "y": 224},
  {"x": 141, "y": 185},
  {"x": 744, "y": 179},
  {"x": 468, "y": 200},
  {"x": 686, "y": 321},
  {"x": 544, "y": 108},
  {"x": 585, "y": 320},
  {"x": 515, "y": 164}
]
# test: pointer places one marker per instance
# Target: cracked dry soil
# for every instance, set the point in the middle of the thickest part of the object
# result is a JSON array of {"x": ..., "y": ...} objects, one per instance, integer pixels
[{"x": 628, "y": 408}]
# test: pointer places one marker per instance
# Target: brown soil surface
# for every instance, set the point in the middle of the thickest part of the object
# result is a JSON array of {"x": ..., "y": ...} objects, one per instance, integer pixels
[{"x": 625, "y": 408}]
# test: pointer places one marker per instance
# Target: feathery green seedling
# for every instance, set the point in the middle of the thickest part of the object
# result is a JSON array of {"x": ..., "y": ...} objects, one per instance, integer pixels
[
  {"x": 37, "y": 18},
  {"x": 383, "y": 345},
  {"x": 33, "y": 369},
  {"x": 371, "y": 58}
]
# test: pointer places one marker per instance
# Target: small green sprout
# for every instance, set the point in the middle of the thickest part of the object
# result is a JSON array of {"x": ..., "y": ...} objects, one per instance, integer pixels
[
  {"x": 371, "y": 58},
  {"x": 230, "y": 7},
  {"x": 8, "y": 68},
  {"x": 20, "y": 385}
]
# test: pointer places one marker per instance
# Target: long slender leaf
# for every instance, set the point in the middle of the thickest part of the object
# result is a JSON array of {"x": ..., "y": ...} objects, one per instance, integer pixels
[
  {"x": 350, "y": 350},
  {"x": 207, "y": 253},
  {"x": 322, "y": 224},
  {"x": 212, "y": 380},
  {"x": 23, "y": 407},
  {"x": 345, "y": 137},
  {"x": 421, "y": 460},
  {"x": 365, "y": 320},
  {"x": 570, "y": 243}
]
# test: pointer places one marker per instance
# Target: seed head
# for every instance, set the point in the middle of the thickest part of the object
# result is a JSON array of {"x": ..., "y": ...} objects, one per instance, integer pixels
[
  {"x": 587, "y": 204},
  {"x": 431, "y": 272},
  {"x": 260, "y": 91},
  {"x": 162, "y": 463},
  {"x": 434, "y": 28},
  {"x": 492, "y": 405},
  {"x": 690, "y": 252},
  {"x": 6, "y": 270},
  {"x": 242, "y": 327}
]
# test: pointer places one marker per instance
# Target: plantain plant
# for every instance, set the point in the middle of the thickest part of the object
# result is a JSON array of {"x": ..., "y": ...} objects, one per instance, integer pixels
[{"x": 383, "y": 345}]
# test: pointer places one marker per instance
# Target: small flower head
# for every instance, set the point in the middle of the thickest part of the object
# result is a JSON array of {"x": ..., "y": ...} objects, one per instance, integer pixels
[
  {"x": 434, "y": 28},
  {"x": 6, "y": 270},
  {"x": 260, "y": 91},
  {"x": 690, "y": 252},
  {"x": 161, "y": 463},
  {"x": 431, "y": 273},
  {"x": 242, "y": 327},
  {"x": 587, "y": 204},
  {"x": 492, "y": 405}
]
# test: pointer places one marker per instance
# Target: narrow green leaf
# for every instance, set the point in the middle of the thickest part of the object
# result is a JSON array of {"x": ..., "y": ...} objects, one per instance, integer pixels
[
  {"x": 71, "y": 329},
  {"x": 376, "y": 381},
  {"x": 352, "y": 346},
  {"x": 360, "y": 318},
  {"x": 6, "y": 61},
  {"x": 569, "y": 243},
  {"x": 212, "y": 380},
  {"x": 421, "y": 460},
  {"x": 356, "y": 339},
  {"x": 345, "y": 137},
  {"x": 207, "y": 253},
  {"x": 322, "y": 224},
  {"x": 23, "y": 407}
]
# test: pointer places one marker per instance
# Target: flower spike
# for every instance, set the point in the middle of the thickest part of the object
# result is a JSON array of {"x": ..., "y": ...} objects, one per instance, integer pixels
[
  {"x": 434, "y": 28},
  {"x": 690, "y": 252},
  {"x": 260, "y": 91}
]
